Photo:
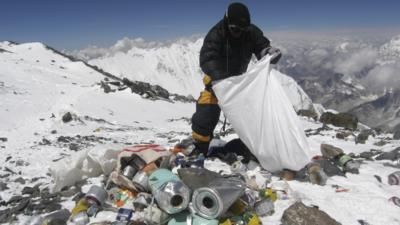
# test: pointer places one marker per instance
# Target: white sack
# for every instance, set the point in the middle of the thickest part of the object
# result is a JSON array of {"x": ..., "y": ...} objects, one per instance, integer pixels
[
  {"x": 262, "y": 115},
  {"x": 91, "y": 163}
]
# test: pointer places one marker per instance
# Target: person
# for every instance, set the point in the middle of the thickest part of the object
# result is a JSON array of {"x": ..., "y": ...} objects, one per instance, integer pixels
[{"x": 227, "y": 50}]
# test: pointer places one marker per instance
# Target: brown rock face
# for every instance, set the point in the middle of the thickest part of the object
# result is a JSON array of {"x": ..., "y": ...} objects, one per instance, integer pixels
[{"x": 299, "y": 214}]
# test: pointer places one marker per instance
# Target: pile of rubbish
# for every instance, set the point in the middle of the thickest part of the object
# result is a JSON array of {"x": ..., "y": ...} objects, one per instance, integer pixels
[{"x": 149, "y": 184}]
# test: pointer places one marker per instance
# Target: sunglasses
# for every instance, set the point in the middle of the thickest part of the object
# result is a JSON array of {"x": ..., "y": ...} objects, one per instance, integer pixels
[{"x": 237, "y": 29}]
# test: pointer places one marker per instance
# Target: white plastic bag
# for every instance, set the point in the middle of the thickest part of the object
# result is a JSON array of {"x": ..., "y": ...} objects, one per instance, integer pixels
[{"x": 262, "y": 115}]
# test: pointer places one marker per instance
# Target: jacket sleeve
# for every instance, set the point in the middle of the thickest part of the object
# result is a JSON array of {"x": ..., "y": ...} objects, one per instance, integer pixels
[
  {"x": 260, "y": 42},
  {"x": 211, "y": 60}
]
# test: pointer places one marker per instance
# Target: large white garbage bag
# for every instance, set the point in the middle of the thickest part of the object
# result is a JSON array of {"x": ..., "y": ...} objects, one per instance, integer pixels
[{"x": 261, "y": 114}]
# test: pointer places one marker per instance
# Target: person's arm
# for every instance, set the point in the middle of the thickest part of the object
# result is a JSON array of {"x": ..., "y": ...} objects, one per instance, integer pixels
[{"x": 211, "y": 61}]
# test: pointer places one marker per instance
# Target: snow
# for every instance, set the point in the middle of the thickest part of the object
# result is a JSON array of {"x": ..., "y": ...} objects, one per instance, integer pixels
[{"x": 33, "y": 87}]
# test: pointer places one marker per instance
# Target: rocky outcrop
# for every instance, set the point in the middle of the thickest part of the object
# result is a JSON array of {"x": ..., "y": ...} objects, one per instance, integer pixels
[
  {"x": 299, "y": 214},
  {"x": 340, "y": 120}
]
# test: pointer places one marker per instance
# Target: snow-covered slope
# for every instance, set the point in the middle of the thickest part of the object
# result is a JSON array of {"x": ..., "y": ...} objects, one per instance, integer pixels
[{"x": 175, "y": 67}]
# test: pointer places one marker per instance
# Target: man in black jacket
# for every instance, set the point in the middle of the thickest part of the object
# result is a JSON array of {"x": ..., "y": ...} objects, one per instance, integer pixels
[{"x": 226, "y": 51}]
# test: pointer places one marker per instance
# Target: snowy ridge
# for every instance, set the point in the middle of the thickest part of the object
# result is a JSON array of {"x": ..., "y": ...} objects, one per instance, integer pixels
[{"x": 176, "y": 68}]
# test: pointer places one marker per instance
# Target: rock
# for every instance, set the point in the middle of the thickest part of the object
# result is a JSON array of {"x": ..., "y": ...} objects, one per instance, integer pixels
[
  {"x": 396, "y": 135},
  {"x": 378, "y": 178},
  {"x": 21, "y": 162},
  {"x": 21, "y": 205},
  {"x": 32, "y": 191},
  {"x": 67, "y": 117},
  {"x": 3, "y": 186},
  {"x": 299, "y": 214},
  {"x": 70, "y": 192},
  {"x": 5, "y": 216},
  {"x": 380, "y": 143},
  {"x": 363, "y": 136},
  {"x": 20, "y": 180},
  {"x": 329, "y": 168},
  {"x": 310, "y": 113},
  {"x": 74, "y": 146},
  {"x": 340, "y": 120},
  {"x": 106, "y": 87},
  {"x": 392, "y": 155},
  {"x": 330, "y": 151},
  {"x": 53, "y": 132},
  {"x": 3, "y": 139}
]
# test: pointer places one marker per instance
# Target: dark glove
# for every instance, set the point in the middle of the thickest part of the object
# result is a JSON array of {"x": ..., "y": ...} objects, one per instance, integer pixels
[{"x": 274, "y": 52}]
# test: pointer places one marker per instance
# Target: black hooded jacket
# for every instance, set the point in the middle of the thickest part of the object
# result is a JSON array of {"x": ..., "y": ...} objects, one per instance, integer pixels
[{"x": 223, "y": 56}]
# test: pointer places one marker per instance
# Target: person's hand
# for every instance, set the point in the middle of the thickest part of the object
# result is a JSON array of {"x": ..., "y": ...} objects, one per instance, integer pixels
[{"x": 275, "y": 53}]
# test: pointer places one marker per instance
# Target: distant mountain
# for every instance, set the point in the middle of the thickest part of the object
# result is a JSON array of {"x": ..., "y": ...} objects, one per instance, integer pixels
[
  {"x": 384, "y": 112},
  {"x": 174, "y": 66}
]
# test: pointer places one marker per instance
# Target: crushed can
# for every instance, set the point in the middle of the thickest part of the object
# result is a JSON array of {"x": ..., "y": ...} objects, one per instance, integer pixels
[
  {"x": 394, "y": 178},
  {"x": 124, "y": 214},
  {"x": 185, "y": 218},
  {"x": 395, "y": 200}
]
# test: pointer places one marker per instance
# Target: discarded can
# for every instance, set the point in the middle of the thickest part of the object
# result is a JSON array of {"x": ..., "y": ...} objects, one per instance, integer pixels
[
  {"x": 141, "y": 201},
  {"x": 124, "y": 214},
  {"x": 171, "y": 194},
  {"x": 96, "y": 195},
  {"x": 80, "y": 219},
  {"x": 394, "y": 178},
  {"x": 264, "y": 207},
  {"x": 213, "y": 201},
  {"x": 141, "y": 181},
  {"x": 395, "y": 200},
  {"x": 129, "y": 172}
]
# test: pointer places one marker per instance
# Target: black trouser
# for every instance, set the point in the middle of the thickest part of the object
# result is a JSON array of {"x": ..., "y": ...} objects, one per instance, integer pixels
[{"x": 206, "y": 117}]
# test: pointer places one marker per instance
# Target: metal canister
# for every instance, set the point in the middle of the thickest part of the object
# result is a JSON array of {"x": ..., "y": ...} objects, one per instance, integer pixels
[
  {"x": 80, "y": 219},
  {"x": 394, "y": 178},
  {"x": 97, "y": 195},
  {"x": 213, "y": 201},
  {"x": 141, "y": 181},
  {"x": 171, "y": 194},
  {"x": 129, "y": 171}
]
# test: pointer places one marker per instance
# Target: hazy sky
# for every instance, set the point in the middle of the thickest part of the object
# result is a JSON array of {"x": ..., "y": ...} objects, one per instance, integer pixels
[{"x": 73, "y": 24}]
